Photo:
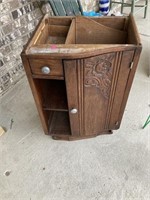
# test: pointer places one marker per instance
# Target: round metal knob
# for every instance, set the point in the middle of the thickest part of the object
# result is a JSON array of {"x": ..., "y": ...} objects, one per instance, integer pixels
[
  {"x": 74, "y": 111},
  {"x": 46, "y": 70}
]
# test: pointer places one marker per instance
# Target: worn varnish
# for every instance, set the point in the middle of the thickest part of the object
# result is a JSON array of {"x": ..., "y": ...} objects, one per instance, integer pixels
[{"x": 80, "y": 72}]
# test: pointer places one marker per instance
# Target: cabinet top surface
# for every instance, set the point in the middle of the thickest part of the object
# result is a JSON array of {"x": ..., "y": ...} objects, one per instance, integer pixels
[{"x": 77, "y": 37}]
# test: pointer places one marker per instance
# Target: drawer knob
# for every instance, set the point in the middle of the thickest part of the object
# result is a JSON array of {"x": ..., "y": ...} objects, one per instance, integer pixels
[
  {"x": 46, "y": 70},
  {"x": 74, "y": 111}
]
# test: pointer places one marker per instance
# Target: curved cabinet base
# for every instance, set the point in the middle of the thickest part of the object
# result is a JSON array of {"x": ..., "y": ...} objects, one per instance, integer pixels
[{"x": 71, "y": 138}]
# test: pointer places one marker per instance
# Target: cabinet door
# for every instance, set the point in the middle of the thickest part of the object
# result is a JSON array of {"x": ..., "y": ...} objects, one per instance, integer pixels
[
  {"x": 88, "y": 83},
  {"x": 97, "y": 83},
  {"x": 96, "y": 87}
]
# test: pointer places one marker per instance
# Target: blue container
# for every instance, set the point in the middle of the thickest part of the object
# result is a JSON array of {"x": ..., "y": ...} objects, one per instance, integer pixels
[
  {"x": 104, "y": 6},
  {"x": 92, "y": 14}
]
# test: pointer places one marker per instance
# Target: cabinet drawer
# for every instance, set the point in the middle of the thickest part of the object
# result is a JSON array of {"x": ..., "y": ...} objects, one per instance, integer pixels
[{"x": 46, "y": 67}]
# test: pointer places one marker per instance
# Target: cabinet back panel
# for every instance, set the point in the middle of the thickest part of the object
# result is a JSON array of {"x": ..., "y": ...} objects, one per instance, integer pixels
[
  {"x": 93, "y": 32},
  {"x": 63, "y": 21},
  {"x": 118, "y": 23}
]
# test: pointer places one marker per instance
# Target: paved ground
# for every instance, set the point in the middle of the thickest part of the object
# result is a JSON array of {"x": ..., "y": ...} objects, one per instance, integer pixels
[{"x": 113, "y": 167}]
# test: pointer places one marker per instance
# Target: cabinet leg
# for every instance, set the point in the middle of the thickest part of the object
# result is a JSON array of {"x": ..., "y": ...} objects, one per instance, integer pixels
[{"x": 110, "y": 131}]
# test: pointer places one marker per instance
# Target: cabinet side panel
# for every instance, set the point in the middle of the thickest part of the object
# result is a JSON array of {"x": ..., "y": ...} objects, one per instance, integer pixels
[
  {"x": 98, "y": 75},
  {"x": 130, "y": 80},
  {"x": 124, "y": 70},
  {"x": 71, "y": 78},
  {"x": 36, "y": 94}
]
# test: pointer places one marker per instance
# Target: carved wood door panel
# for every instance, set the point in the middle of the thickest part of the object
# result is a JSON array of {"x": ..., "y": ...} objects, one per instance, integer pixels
[
  {"x": 95, "y": 88},
  {"x": 98, "y": 77},
  {"x": 88, "y": 83}
]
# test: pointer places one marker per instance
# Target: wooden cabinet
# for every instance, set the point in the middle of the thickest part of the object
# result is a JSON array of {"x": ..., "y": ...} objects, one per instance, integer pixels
[{"x": 80, "y": 71}]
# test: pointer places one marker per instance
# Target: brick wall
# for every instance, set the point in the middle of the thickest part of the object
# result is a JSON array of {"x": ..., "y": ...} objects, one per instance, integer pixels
[{"x": 18, "y": 19}]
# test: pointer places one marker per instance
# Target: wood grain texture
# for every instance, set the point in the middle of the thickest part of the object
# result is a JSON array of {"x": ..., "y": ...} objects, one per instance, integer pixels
[
  {"x": 136, "y": 58},
  {"x": 54, "y": 95},
  {"x": 95, "y": 33},
  {"x": 133, "y": 36},
  {"x": 54, "y": 65},
  {"x": 98, "y": 73},
  {"x": 36, "y": 33},
  {"x": 122, "y": 78},
  {"x": 37, "y": 94},
  {"x": 59, "y": 124},
  {"x": 63, "y": 21},
  {"x": 111, "y": 22},
  {"x": 70, "y": 68},
  {"x": 92, "y": 64},
  {"x": 43, "y": 35},
  {"x": 58, "y": 30},
  {"x": 113, "y": 87},
  {"x": 71, "y": 37}
]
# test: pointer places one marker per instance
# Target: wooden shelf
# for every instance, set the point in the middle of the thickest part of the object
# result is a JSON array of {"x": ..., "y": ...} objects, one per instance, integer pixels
[
  {"x": 59, "y": 123},
  {"x": 55, "y": 97}
]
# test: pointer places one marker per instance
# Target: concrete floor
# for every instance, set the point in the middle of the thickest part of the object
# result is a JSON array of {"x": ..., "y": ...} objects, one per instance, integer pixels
[{"x": 109, "y": 167}]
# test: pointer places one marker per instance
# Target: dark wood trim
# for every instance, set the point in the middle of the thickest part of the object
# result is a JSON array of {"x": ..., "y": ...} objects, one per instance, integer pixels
[{"x": 36, "y": 94}]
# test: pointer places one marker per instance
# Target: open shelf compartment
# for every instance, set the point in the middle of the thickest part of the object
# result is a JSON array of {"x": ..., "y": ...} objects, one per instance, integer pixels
[
  {"x": 53, "y": 94},
  {"x": 84, "y": 30},
  {"x": 103, "y": 31},
  {"x": 55, "y": 97},
  {"x": 53, "y": 31},
  {"x": 59, "y": 123}
]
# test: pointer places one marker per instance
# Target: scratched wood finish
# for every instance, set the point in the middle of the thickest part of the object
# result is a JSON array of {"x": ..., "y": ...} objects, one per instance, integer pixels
[
  {"x": 72, "y": 87},
  {"x": 111, "y": 22},
  {"x": 54, "y": 65},
  {"x": 126, "y": 59},
  {"x": 92, "y": 64},
  {"x": 98, "y": 75},
  {"x": 95, "y": 33},
  {"x": 71, "y": 37}
]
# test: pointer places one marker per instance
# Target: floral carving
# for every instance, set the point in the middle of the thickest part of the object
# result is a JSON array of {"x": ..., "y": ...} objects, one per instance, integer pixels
[{"x": 98, "y": 73}]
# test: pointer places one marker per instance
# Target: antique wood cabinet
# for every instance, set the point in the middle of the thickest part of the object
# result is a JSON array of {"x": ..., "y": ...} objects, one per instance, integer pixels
[{"x": 80, "y": 71}]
